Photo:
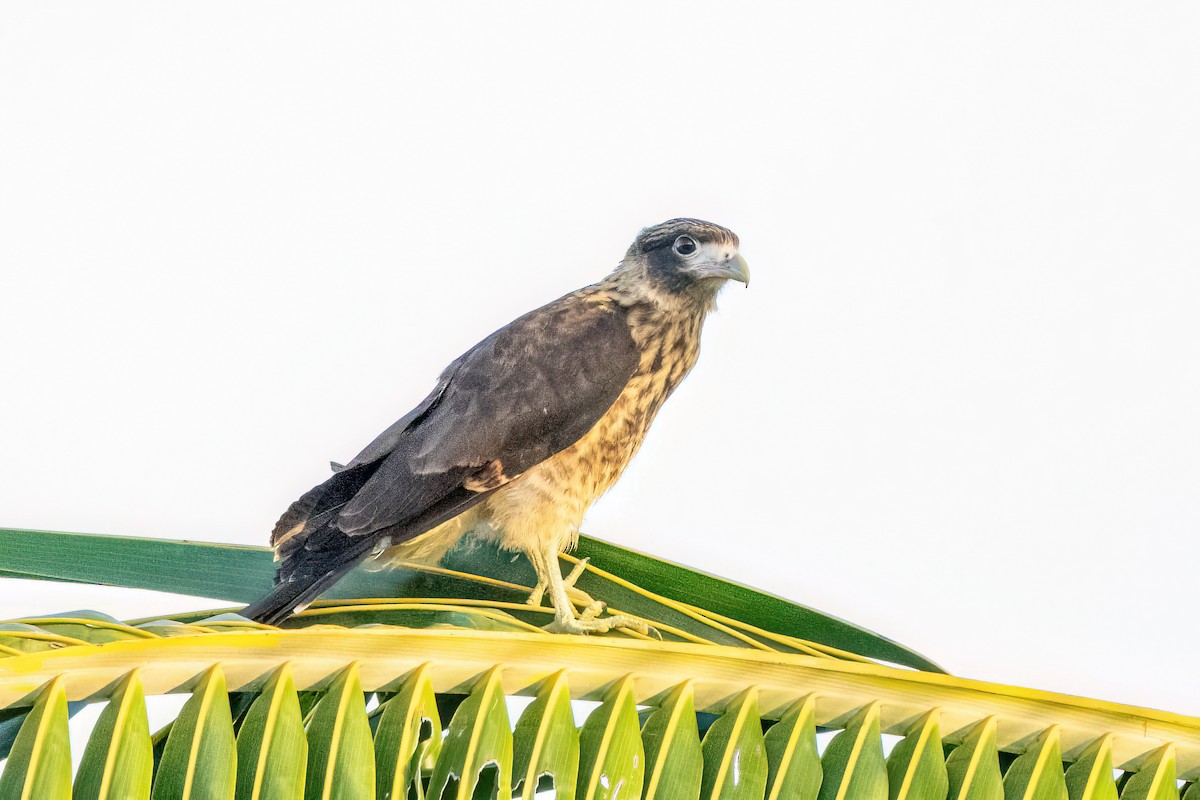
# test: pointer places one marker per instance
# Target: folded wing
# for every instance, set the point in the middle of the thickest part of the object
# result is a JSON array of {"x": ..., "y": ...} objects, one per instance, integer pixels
[{"x": 521, "y": 395}]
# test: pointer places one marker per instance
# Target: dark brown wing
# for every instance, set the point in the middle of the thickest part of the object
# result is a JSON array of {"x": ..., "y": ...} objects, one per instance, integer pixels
[{"x": 521, "y": 395}]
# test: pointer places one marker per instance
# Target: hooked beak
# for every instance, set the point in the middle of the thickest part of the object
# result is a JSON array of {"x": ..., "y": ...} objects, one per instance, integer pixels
[
  {"x": 738, "y": 270},
  {"x": 732, "y": 268}
]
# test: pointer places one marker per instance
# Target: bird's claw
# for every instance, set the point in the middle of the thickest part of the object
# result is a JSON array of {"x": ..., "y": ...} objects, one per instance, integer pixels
[
  {"x": 539, "y": 591},
  {"x": 585, "y": 625},
  {"x": 593, "y": 609},
  {"x": 535, "y": 597},
  {"x": 576, "y": 571}
]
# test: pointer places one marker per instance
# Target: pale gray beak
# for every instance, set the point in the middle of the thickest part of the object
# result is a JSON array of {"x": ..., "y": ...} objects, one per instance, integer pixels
[
  {"x": 733, "y": 269},
  {"x": 738, "y": 270}
]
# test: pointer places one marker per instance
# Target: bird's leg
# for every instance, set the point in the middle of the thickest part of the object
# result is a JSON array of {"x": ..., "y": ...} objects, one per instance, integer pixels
[
  {"x": 574, "y": 574},
  {"x": 593, "y": 607},
  {"x": 539, "y": 590},
  {"x": 535, "y": 597},
  {"x": 565, "y": 620}
]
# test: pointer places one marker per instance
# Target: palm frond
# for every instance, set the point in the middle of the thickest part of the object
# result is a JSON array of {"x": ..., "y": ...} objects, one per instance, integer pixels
[
  {"x": 1063, "y": 744},
  {"x": 408, "y": 689},
  {"x": 684, "y": 603}
]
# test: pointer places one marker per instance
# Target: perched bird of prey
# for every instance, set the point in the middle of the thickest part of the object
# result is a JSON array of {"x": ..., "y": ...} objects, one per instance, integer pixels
[{"x": 522, "y": 433}]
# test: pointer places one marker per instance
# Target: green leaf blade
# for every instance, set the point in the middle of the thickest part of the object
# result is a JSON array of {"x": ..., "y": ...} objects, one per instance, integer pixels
[
  {"x": 118, "y": 761},
  {"x": 794, "y": 765},
  {"x": 39, "y": 765},
  {"x": 735, "y": 753},
  {"x": 1091, "y": 776},
  {"x": 341, "y": 754},
  {"x": 409, "y": 735},
  {"x": 1155, "y": 778},
  {"x": 272, "y": 750},
  {"x": 203, "y": 569},
  {"x": 916, "y": 767},
  {"x": 546, "y": 742},
  {"x": 1038, "y": 773},
  {"x": 200, "y": 759},
  {"x": 612, "y": 760},
  {"x": 853, "y": 762},
  {"x": 674, "y": 756},
  {"x": 736, "y": 600},
  {"x": 479, "y": 739},
  {"x": 243, "y": 574},
  {"x": 973, "y": 769}
]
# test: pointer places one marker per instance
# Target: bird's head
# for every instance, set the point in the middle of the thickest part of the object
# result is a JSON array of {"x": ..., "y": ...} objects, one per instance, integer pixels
[{"x": 684, "y": 260}]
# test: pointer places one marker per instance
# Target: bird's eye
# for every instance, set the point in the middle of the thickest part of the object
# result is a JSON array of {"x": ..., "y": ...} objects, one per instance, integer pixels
[{"x": 685, "y": 245}]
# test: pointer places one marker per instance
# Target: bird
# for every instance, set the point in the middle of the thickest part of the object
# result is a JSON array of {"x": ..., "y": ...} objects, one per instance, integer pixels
[{"x": 521, "y": 434}]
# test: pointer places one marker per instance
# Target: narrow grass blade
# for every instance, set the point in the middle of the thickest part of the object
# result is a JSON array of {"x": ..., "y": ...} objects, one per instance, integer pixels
[
  {"x": 39, "y": 765},
  {"x": 735, "y": 754},
  {"x": 200, "y": 759},
  {"x": 674, "y": 758},
  {"x": 853, "y": 762},
  {"x": 118, "y": 760},
  {"x": 272, "y": 749},
  {"x": 408, "y": 736},
  {"x": 546, "y": 742},
  {"x": 794, "y": 766},
  {"x": 479, "y": 746},
  {"x": 1091, "y": 776},
  {"x": 341, "y": 755},
  {"x": 916, "y": 766},
  {"x": 974, "y": 767},
  {"x": 1155, "y": 778},
  {"x": 1038, "y": 773},
  {"x": 612, "y": 760}
]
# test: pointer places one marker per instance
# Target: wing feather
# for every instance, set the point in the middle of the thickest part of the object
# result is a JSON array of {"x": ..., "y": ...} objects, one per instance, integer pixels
[{"x": 521, "y": 395}]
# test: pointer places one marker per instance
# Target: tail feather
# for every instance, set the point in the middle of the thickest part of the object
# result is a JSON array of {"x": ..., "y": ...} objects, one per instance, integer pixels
[
  {"x": 327, "y": 496},
  {"x": 314, "y": 552},
  {"x": 288, "y": 598}
]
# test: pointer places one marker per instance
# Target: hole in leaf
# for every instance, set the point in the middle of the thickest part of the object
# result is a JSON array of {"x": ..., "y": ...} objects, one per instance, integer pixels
[
  {"x": 487, "y": 784},
  {"x": 487, "y": 787},
  {"x": 447, "y": 704},
  {"x": 544, "y": 789}
]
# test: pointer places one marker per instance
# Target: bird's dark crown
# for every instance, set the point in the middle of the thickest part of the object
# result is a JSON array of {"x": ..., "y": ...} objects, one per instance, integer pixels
[{"x": 664, "y": 234}]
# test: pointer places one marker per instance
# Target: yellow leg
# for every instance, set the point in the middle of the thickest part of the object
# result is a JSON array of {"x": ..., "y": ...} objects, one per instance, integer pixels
[{"x": 565, "y": 620}]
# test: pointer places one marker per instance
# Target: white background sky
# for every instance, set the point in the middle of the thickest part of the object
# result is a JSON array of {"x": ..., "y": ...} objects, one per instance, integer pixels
[{"x": 958, "y": 405}]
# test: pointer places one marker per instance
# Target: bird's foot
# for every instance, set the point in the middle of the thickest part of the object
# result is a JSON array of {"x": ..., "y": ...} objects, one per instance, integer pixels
[
  {"x": 575, "y": 572},
  {"x": 585, "y": 625},
  {"x": 535, "y": 597},
  {"x": 593, "y": 609},
  {"x": 539, "y": 591},
  {"x": 591, "y": 606}
]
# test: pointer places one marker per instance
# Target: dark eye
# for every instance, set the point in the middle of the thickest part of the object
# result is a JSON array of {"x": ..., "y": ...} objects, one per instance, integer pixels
[{"x": 685, "y": 245}]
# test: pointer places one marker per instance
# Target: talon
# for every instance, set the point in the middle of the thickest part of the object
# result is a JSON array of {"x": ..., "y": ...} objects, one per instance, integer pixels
[
  {"x": 576, "y": 571},
  {"x": 582, "y": 599},
  {"x": 604, "y": 625},
  {"x": 535, "y": 597},
  {"x": 594, "y": 609}
]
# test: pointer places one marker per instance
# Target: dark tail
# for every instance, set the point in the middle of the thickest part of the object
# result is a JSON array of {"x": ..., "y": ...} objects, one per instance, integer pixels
[
  {"x": 305, "y": 574},
  {"x": 287, "y": 598},
  {"x": 312, "y": 553}
]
